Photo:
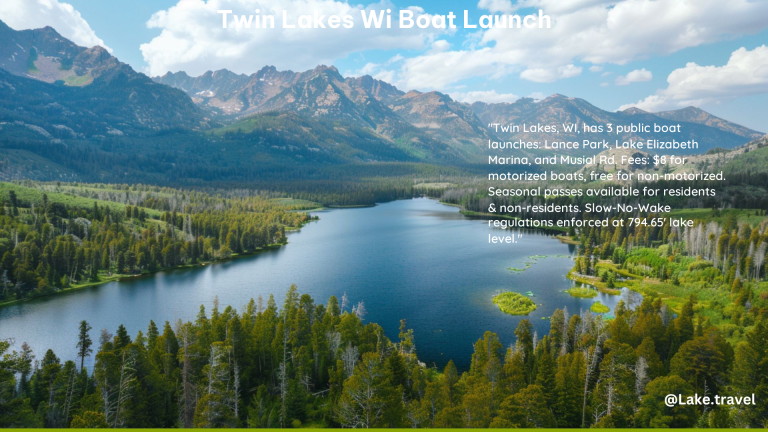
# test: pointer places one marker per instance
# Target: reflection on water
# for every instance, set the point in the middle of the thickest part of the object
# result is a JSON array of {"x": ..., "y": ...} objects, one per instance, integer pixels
[{"x": 412, "y": 259}]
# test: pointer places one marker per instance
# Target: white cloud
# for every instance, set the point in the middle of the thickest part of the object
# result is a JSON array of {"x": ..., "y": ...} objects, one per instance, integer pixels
[
  {"x": 421, "y": 72},
  {"x": 192, "y": 38},
  {"x": 608, "y": 32},
  {"x": 472, "y": 40},
  {"x": 559, "y": 6},
  {"x": 504, "y": 6},
  {"x": 745, "y": 74},
  {"x": 32, "y": 14},
  {"x": 590, "y": 31},
  {"x": 484, "y": 96},
  {"x": 551, "y": 74},
  {"x": 440, "y": 46},
  {"x": 537, "y": 96},
  {"x": 637, "y": 75},
  {"x": 549, "y": 6},
  {"x": 396, "y": 58},
  {"x": 368, "y": 69},
  {"x": 377, "y": 70},
  {"x": 595, "y": 68}
]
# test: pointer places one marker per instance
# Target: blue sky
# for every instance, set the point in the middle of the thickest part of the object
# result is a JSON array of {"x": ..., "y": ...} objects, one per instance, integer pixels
[{"x": 657, "y": 40}]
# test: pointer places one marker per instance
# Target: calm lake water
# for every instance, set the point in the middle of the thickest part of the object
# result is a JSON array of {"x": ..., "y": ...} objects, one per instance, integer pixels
[{"x": 413, "y": 259}]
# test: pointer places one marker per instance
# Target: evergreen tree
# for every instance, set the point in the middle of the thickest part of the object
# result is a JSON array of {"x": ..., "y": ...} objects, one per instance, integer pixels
[{"x": 84, "y": 343}]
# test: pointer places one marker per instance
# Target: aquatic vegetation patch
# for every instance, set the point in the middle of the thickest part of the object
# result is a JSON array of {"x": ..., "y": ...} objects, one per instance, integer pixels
[
  {"x": 535, "y": 258},
  {"x": 515, "y": 269},
  {"x": 583, "y": 291},
  {"x": 600, "y": 308},
  {"x": 514, "y": 303}
]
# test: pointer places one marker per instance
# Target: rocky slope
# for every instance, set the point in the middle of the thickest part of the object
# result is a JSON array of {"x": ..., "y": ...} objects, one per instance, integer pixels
[
  {"x": 47, "y": 80},
  {"x": 708, "y": 130},
  {"x": 323, "y": 92}
]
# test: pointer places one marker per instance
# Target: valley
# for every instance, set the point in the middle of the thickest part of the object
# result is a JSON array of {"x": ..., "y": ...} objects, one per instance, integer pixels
[{"x": 405, "y": 267}]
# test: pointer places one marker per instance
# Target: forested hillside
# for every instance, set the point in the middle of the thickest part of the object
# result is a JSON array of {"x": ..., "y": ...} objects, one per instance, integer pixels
[
  {"x": 701, "y": 328},
  {"x": 71, "y": 91},
  {"x": 54, "y": 238}
]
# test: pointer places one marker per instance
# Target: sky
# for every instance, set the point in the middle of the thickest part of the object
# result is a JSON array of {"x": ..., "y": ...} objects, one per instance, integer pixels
[{"x": 653, "y": 54}]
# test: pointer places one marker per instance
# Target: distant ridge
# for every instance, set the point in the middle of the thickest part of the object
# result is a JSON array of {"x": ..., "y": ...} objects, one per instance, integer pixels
[
  {"x": 59, "y": 94},
  {"x": 695, "y": 115},
  {"x": 324, "y": 92},
  {"x": 91, "y": 92}
]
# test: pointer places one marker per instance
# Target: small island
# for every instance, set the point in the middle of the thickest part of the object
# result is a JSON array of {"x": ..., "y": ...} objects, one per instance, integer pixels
[
  {"x": 600, "y": 308},
  {"x": 514, "y": 303},
  {"x": 582, "y": 291}
]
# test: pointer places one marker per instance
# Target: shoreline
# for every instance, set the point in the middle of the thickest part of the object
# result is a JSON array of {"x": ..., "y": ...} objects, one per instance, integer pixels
[
  {"x": 565, "y": 239},
  {"x": 467, "y": 214},
  {"x": 124, "y": 277},
  {"x": 571, "y": 275}
]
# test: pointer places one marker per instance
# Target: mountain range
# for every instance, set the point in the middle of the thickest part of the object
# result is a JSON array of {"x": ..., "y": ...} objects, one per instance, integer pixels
[
  {"x": 63, "y": 106},
  {"x": 323, "y": 92},
  {"x": 47, "y": 80}
]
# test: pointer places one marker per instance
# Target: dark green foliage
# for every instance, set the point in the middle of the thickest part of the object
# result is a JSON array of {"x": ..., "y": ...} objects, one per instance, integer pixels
[
  {"x": 310, "y": 365},
  {"x": 50, "y": 244}
]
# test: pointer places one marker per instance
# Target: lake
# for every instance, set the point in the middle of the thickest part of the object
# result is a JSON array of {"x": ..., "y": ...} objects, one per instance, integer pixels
[{"x": 412, "y": 259}]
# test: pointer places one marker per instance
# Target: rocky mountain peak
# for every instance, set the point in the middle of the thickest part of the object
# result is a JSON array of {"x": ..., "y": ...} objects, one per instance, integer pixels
[
  {"x": 634, "y": 111},
  {"x": 92, "y": 90},
  {"x": 327, "y": 71}
]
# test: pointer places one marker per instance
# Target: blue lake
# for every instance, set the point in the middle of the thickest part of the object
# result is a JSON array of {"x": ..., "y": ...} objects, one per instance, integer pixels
[{"x": 413, "y": 259}]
